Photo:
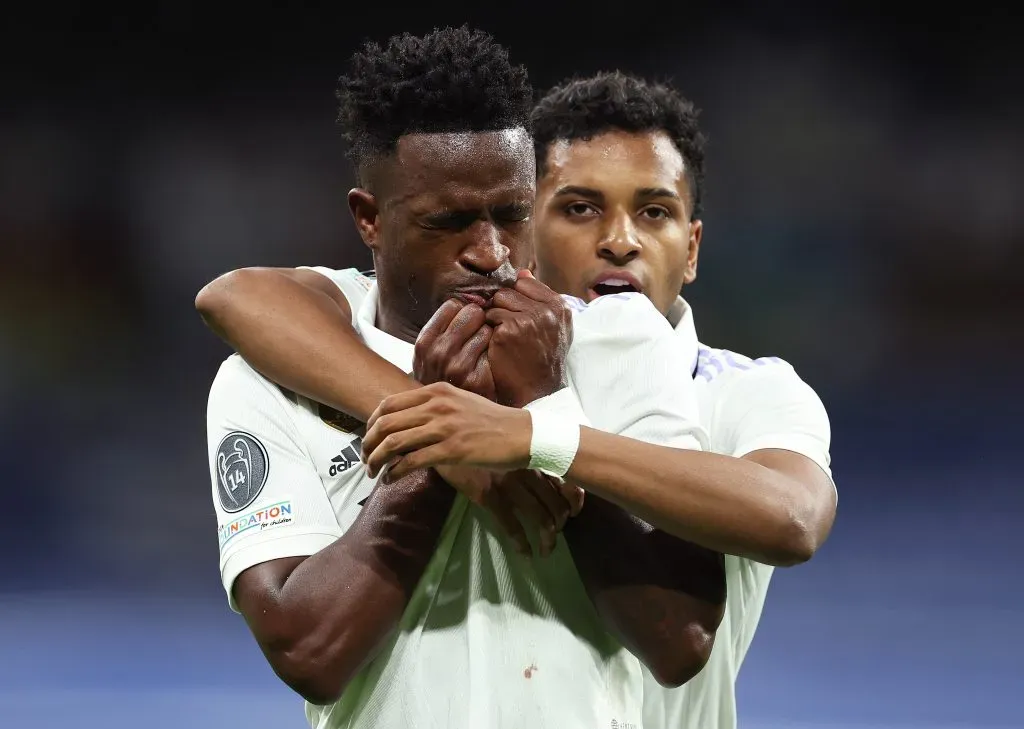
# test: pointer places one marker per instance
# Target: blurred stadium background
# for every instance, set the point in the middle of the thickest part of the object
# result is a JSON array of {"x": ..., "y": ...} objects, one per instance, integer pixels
[{"x": 865, "y": 221}]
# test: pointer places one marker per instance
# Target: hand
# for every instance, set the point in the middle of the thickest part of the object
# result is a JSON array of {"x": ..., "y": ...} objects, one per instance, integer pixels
[
  {"x": 477, "y": 485},
  {"x": 473, "y": 483},
  {"x": 543, "y": 501},
  {"x": 518, "y": 500},
  {"x": 532, "y": 334},
  {"x": 440, "y": 424},
  {"x": 452, "y": 348}
]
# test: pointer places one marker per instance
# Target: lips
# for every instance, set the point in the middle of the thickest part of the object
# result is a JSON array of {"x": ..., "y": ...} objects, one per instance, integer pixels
[
  {"x": 479, "y": 296},
  {"x": 614, "y": 282}
]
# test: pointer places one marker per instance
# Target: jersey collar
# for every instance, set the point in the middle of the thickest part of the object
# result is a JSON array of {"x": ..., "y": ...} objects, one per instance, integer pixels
[
  {"x": 680, "y": 316},
  {"x": 394, "y": 350}
]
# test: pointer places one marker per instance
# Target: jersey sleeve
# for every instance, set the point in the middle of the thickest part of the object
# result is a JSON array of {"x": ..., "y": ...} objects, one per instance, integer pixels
[
  {"x": 771, "y": 407},
  {"x": 268, "y": 497},
  {"x": 628, "y": 368}
]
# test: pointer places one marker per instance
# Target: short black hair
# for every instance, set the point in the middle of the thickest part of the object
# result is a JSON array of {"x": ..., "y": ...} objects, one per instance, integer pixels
[
  {"x": 450, "y": 80},
  {"x": 583, "y": 108}
]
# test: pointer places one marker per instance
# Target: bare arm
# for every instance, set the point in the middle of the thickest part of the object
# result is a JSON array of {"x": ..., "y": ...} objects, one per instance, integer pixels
[
  {"x": 663, "y": 598},
  {"x": 320, "y": 619},
  {"x": 773, "y": 506},
  {"x": 294, "y": 326}
]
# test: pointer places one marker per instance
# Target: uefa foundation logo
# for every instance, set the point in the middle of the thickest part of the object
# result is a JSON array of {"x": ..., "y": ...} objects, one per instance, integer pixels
[
  {"x": 274, "y": 515},
  {"x": 242, "y": 469}
]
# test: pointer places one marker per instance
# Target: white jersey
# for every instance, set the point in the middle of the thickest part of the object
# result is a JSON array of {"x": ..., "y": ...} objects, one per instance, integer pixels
[
  {"x": 489, "y": 639},
  {"x": 745, "y": 405}
]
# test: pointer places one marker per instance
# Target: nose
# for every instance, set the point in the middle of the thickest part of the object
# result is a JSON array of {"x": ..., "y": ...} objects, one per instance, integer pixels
[
  {"x": 619, "y": 242},
  {"x": 486, "y": 253}
]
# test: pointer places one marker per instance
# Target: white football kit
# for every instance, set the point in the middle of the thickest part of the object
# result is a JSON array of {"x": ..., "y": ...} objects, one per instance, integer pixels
[
  {"x": 745, "y": 405},
  {"x": 489, "y": 638}
]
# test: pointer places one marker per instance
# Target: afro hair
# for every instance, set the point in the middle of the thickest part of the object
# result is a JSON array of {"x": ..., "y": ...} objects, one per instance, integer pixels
[{"x": 450, "y": 80}]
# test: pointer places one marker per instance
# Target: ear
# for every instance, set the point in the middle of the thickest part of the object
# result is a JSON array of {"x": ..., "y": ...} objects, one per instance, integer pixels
[
  {"x": 696, "y": 228},
  {"x": 363, "y": 205}
]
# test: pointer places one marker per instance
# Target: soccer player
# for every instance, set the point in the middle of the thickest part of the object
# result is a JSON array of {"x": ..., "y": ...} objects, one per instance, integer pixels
[
  {"x": 620, "y": 183},
  {"x": 620, "y": 174},
  {"x": 394, "y": 603}
]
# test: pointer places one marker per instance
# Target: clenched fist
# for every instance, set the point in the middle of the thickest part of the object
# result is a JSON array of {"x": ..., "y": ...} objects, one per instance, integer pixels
[{"x": 532, "y": 331}]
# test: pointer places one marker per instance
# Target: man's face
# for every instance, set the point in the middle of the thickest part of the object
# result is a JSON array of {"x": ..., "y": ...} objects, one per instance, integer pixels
[
  {"x": 613, "y": 215},
  {"x": 451, "y": 217}
]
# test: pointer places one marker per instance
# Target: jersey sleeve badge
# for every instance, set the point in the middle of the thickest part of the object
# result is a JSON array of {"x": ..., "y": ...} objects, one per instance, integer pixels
[{"x": 242, "y": 468}]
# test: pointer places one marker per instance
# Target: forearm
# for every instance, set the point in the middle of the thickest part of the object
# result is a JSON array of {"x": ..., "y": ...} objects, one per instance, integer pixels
[
  {"x": 299, "y": 337},
  {"x": 342, "y": 604},
  {"x": 728, "y": 505},
  {"x": 661, "y": 597}
]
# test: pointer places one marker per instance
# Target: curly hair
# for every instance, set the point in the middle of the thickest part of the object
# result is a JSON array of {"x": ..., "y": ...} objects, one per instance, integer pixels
[
  {"x": 583, "y": 108},
  {"x": 450, "y": 80}
]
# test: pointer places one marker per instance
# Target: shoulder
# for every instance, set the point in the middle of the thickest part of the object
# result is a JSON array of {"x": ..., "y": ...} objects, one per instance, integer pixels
[
  {"x": 233, "y": 374},
  {"x": 618, "y": 313},
  {"x": 743, "y": 383},
  {"x": 761, "y": 403},
  {"x": 353, "y": 283},
  {"x": 726, "y": 366},
  {"x": 345, "y": 278},
  {"x": 737, "y": 379},
  {"x": 238, "y": 389}
]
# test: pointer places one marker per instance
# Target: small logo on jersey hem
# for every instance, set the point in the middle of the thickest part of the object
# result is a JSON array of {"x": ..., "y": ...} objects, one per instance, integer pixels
[
  {"x": 274, "y": 515},
  {"x": 242, "y": 467}
]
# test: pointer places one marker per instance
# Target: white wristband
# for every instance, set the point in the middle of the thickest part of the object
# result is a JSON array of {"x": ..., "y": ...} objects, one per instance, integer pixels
[{"x": 554, "y": 443}]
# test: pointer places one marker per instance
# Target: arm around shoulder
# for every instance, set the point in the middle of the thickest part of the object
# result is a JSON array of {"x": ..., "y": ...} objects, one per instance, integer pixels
[
  {"x": 764, "y": 493},
  {"x": 774, "y": 419},
  {"x": 294, "y": 326}
]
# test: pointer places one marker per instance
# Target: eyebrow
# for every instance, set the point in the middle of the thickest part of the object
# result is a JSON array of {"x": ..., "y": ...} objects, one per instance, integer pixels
[
  {"x": 465, "y": 216},
  {"x": 642, "y": 193},
  {"x": 577, "y": 190},
  {"x": 657, "y": 192}
]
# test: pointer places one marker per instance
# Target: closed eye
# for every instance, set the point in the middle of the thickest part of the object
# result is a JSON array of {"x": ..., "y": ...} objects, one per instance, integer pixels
[
  {"x": 450, "y": 221},
  {"x": 516, "y": 213}
]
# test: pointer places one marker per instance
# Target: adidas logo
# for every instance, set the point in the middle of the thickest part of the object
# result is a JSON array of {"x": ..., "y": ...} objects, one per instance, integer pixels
[{"x": 348, "y": 458}]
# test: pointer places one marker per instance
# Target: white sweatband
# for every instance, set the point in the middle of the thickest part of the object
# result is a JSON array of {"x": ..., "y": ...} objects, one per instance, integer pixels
[
  {"x": 564, "y": 403},
  {"x": 554, "y": 442},
  {"x": 556, "y": 433}
]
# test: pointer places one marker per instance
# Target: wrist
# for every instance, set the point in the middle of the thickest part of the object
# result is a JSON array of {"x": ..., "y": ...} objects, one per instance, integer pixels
[
  {"x": 520, "y": 439},
  {"x": 555, "y": 432},
  {"x": 554, "y": 442}
]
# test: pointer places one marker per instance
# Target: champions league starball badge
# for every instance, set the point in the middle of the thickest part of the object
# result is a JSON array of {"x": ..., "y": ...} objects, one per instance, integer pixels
[{"x": 242, "y": 468}]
